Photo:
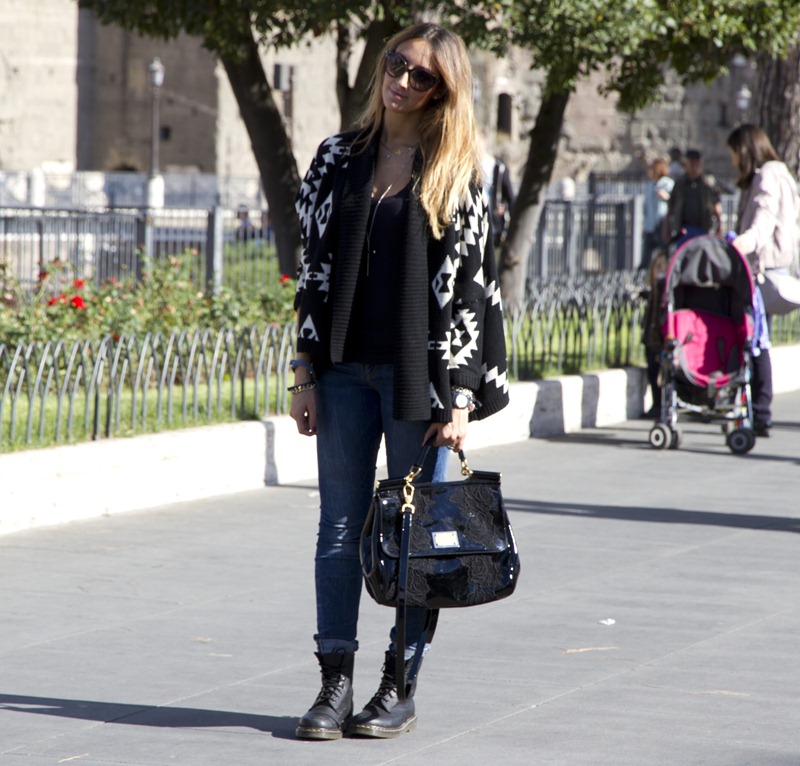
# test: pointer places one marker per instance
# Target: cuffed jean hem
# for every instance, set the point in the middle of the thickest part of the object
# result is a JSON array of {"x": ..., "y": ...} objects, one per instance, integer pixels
[{"x": 335, "y": 646}]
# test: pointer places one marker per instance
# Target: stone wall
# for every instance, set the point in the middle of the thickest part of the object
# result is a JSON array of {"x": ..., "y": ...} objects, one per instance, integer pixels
[
  {"x": 188, "y": 108},
  {"x": 38, "y": 87},
  {"x": 311, "y": 110}
]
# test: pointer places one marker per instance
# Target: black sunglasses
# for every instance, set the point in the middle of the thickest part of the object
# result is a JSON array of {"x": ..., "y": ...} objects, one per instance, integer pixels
[{"x": 419, "y": 78}]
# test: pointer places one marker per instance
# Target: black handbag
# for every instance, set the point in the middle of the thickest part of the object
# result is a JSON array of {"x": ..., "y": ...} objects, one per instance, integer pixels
[{"x": 437, "y": 546}]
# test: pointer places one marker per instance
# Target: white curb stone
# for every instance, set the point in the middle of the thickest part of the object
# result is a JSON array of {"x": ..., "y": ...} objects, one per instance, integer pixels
[{"x": 81, "y": 481}]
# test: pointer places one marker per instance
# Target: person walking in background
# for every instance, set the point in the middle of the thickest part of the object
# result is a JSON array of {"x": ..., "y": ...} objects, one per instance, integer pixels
[
  {"x": 767, "y": 235},
  {"x": 656, "y": 206},
  {"x": 400, "y": 332},
  {"x": 246, "y": 231},
  {"x": 499, "y": 191},
  {"x": 652, "y": 337},
  {"x": 694, "y": 206},
  {"x": 676, "y": 168}
]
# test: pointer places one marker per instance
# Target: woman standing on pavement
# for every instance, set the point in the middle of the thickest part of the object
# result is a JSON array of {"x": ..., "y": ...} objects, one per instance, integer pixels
[
  {"x": 767, "y": 236},
  {"x": 656, "y": 207},
  {"x": 400, "y": 331}
]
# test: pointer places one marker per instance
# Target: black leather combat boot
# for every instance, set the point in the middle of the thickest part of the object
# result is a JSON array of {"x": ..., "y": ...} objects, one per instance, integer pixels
[
  {"x": 334, "y": 705},
  {"x": 385, "y": 716}
]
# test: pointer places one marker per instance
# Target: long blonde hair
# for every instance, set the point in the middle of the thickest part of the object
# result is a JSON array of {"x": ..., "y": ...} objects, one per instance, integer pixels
[{"x": 451, "y": 158}]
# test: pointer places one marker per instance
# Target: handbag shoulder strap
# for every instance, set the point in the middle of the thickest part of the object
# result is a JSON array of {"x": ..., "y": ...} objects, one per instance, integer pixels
[{"x": 405, "y": 682}]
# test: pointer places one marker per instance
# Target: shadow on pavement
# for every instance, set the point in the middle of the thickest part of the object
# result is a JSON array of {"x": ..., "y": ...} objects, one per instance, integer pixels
[
  {"x": 145, "y": 715},
  {"x": 619, "y": 438},
  {"x": 659, "y": 515}
]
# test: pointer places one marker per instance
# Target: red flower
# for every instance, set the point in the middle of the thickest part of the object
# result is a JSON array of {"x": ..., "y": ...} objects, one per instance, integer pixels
[
  {"x": 43, "y": 274},
  {"x": 285, "y": 279},
  {"x": 78, "y": 302},
  {"x": 57, "y": 299},
  {"x": 78, "y": 284}
]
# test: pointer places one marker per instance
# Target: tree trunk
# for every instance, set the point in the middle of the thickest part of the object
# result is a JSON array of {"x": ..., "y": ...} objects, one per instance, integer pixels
[
  {"x": 527, "y": 207},
  {"x": 271, "y": 147},
  {"x": 344, "y": 51},
  {"x": 777, "y": 105},
  {"x": 353, "y": 100}
]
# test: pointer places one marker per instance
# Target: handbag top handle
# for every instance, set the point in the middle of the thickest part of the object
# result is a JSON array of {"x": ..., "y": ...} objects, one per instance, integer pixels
[
  {"x": 426, "y": 448},
  {"x": 408, "y": 487}
]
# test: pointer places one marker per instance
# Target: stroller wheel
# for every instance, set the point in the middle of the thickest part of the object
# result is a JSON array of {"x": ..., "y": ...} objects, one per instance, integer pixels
[
  {"x": 741, "y": 440},
  {"x": 660, "y": 436},
  {"x": 675, "y": 439}
]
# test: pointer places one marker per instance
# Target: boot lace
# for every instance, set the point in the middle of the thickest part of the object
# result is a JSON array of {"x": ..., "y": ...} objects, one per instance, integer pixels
[
  {"x": 333, "y": 684},
  {"x": 387, "y": 689}
]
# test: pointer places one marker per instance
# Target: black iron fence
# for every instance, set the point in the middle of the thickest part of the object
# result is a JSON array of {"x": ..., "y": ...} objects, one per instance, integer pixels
[
  {"x": 236, "y": 249},
  {"x": 223, "y": 247},
  {"x": 56, "y": 392},
  {"x": 598, "y": 234},
  {"x": 572, "y": 325}
]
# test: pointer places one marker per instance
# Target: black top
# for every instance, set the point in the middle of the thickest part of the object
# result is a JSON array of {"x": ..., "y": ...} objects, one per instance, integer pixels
[
  {"x": 371, "y": 334},
  {"x": 693, "y": 208}
]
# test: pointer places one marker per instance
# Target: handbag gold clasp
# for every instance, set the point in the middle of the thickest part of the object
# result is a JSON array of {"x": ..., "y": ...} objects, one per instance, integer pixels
[
  {"x": 465, "y": 469},
  {"x": 408, "y": 495},
  {"x": 413, "y": 473}
]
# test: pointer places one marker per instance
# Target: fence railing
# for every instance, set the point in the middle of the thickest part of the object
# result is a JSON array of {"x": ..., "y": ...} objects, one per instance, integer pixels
[
  {"x": 221, "y": 247},
  {"x": 593, "y": 235},
  {"x": 602, "y": 233},
  {"x": 57, "y": 392},
  {"x": 577, "y": 324}
]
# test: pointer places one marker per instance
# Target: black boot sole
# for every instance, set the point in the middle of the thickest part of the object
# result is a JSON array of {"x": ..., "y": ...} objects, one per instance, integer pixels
[{"x": 380, "y": 732}]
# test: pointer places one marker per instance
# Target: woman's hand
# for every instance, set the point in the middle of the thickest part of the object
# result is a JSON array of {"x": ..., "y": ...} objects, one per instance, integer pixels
[
  {"x": 304, "y": 412},
  {"x": 304, "y": 403},
  {"x": 452, "y": 434}
]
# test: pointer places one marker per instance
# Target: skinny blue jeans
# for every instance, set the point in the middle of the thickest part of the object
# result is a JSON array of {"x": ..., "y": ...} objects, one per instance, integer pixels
[{"x": 354, "y": 410}]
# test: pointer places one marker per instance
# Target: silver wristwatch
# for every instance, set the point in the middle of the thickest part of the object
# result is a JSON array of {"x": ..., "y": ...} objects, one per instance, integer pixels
[{"x": 463, "y": 399}]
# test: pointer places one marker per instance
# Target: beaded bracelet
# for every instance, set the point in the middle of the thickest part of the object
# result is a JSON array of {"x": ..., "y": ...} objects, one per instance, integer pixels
[{"x": 300, "y": 387}]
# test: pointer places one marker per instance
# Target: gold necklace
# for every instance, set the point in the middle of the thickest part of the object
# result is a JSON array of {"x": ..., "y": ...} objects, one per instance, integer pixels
[
  {"x": 375, "y": 211},
  {"x": 397, "y": 152}
]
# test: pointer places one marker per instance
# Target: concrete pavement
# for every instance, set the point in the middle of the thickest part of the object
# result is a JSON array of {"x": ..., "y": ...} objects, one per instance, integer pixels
[{"x": 656, "y": 622}]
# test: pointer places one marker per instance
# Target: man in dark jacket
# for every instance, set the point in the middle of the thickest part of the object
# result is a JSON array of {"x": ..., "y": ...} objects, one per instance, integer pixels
[{"x": 694, "y": 207}]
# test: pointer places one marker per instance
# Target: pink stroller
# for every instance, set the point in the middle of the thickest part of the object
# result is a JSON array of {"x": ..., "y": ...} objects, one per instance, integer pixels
[{"x": 707, "y": 324}]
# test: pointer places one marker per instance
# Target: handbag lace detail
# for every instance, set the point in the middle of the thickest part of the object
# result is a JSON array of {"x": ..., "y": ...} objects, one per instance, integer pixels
[{"x": 478, "y": 562}]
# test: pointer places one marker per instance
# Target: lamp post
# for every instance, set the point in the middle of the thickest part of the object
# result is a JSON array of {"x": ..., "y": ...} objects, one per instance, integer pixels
[
  {"x": 743, "y": 97},
  {"x": 155, "y": 183}
]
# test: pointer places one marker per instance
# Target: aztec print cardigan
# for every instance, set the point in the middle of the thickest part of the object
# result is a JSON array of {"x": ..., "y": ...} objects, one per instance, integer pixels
[{"x": 449, "y": 324}]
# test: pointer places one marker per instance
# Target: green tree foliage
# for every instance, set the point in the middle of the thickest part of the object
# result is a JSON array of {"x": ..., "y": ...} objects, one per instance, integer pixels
[{"x": 634, "y": 42}]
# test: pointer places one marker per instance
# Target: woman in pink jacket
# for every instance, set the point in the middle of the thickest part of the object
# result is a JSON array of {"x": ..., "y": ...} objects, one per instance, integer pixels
[{"x": 767, "y": 235}]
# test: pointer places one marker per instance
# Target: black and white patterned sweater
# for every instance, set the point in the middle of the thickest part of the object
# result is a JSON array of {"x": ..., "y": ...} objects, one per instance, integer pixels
[{"x": 450, "y": 324}]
